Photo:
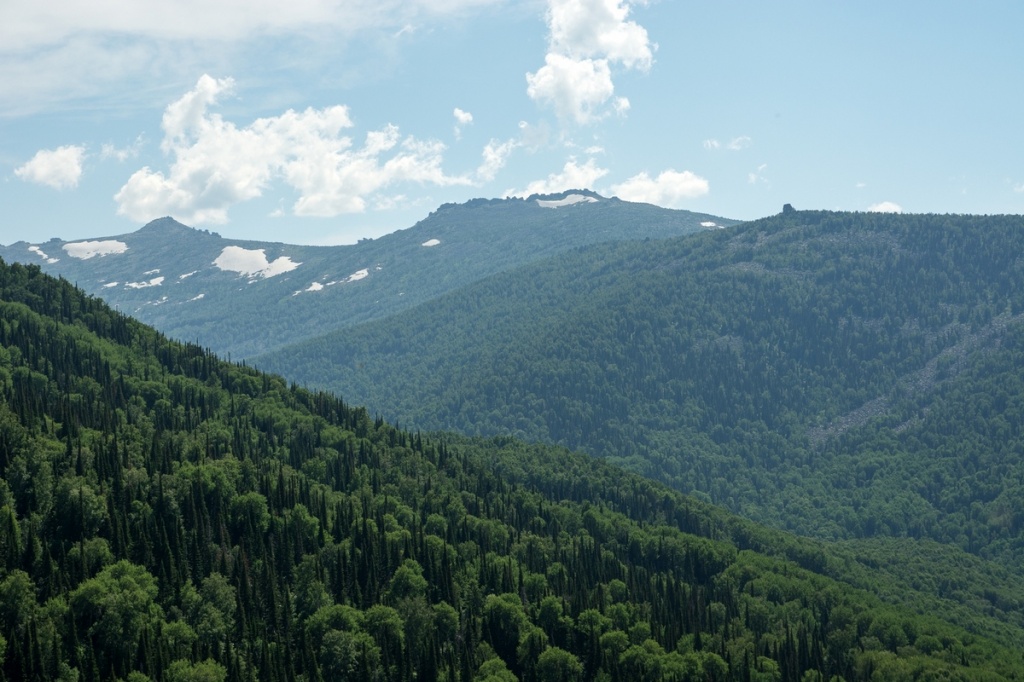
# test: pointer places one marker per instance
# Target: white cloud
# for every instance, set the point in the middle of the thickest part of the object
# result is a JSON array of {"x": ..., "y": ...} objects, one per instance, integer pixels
[
  {"x": 495, "y": 156},
  {"x": 575, "y": 88},
  {"x": 573, "y": 176},
  {"x": 217, "y": 164},
  {"x": 122, "y": 154},
  {"x": 587, "y": 37},
  {"x": 253, "y": 262},
  {"x": 738, "y": 143},
  {"x": 53, "y": 51},
  {"x": 28, "y": 24},
  {"x": 885, "y": 207},
  {"x": 462, "y": 118},
  {"x": 1019, "y": 189},
  {"x": 734, "y": 145},
  {"x": 757, "y": 177},
  {"x": 598, "y": 28},
  {"x": 60, "y": 168},
  {"x": 670, "y": 189}
]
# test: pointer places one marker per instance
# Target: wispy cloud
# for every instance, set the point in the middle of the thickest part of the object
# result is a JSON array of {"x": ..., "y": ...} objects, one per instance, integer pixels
[
  {"x": 52, "y": 52},
  {"x": 495, "y": 156},
  {"x": 122, "y": 154},
  {"x": 757, "y": 177},
  {"x": 59, "y": 168},
  {"x": 734, "y": 145}
]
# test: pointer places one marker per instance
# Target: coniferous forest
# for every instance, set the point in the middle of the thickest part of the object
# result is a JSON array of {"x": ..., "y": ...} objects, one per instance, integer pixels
[
  {"x": 166, "y": 515},
  {"x": 839, "y": 375}
]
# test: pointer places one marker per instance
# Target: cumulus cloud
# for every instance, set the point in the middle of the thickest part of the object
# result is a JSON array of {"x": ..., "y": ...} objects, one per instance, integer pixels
[
  {"x": 575, "y": 88},
  {"x": 598, "y": 28},
  {"x": 885, "y": 207},
  {"x": 670, "y": 189},
  {"x": 60, "y": 168},
  {"x": 573, "y": 176},
  {"x": 217, "y": 164},
  {"x": 587, "y": 37}
]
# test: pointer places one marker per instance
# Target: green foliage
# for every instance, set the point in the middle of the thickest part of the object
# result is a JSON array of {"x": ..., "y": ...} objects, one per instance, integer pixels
[
  {"x": 841, "y": 376},
  {"x": 173, "y": 516}
]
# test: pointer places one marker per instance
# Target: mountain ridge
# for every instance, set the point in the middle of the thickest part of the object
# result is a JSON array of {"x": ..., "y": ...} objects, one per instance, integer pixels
[
  {"x": 244, "y": 297},
  {"x": 168, "y": 515},
  {"x": 750, "y": 365}
]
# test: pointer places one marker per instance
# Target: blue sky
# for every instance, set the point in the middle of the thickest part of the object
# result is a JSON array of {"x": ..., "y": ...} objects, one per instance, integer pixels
[{"x": 318, "y": 121}]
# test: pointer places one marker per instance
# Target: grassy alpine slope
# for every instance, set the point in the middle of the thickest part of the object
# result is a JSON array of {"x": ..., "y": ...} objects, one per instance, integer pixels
[{"x": 166, "y": 515}]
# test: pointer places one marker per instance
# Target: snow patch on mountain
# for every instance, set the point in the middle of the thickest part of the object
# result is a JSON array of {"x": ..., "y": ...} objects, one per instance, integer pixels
[
  {"x": 253, "y": 262},
  {"x": 155, "y": 282},
  {"x": 709, "y": 223},
  {"x": 431, "y": 242},
  {"x": 356, "y": 276},
  {"x": 87, "y": 250},
  {"x": 39, "y": 252},
  {"x": 187, "y": 274},
  {"x": 568, "y": 200},
  {"x": 110, "y": 285},
  {"x": 197, "y": 298}
]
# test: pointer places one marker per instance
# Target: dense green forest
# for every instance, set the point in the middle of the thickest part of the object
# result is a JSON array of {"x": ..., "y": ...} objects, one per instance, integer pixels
[
  {"x": 839, "y": 375},
  {"x": 166, "y": 515}
]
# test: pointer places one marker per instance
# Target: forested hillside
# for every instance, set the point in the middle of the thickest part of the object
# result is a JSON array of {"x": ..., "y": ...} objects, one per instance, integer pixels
[
  {"x": 242, "y": 298},
  {"x": 165, "y": 515},
  {"x": 839, "y": 375}
]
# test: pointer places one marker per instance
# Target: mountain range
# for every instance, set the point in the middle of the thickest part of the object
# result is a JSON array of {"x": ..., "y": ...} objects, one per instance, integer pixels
[
  {"x": 838, "y": 375},
  {"x": 852, "y": 378},
  {"x": 243, "y": 298},
  {"x": 167, "y": 515}
]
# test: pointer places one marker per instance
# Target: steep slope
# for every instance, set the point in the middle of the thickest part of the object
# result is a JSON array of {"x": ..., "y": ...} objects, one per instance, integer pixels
[
  {"x": 243, "y": 298},
  {"x": 804, "y": 370},
  {"x": 167, "y": 515}
]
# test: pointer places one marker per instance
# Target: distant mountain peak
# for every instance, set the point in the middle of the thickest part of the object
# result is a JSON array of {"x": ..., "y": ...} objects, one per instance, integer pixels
[
  {"x": 168, "y": 225},
  {"x": 590, "y": 196}
]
